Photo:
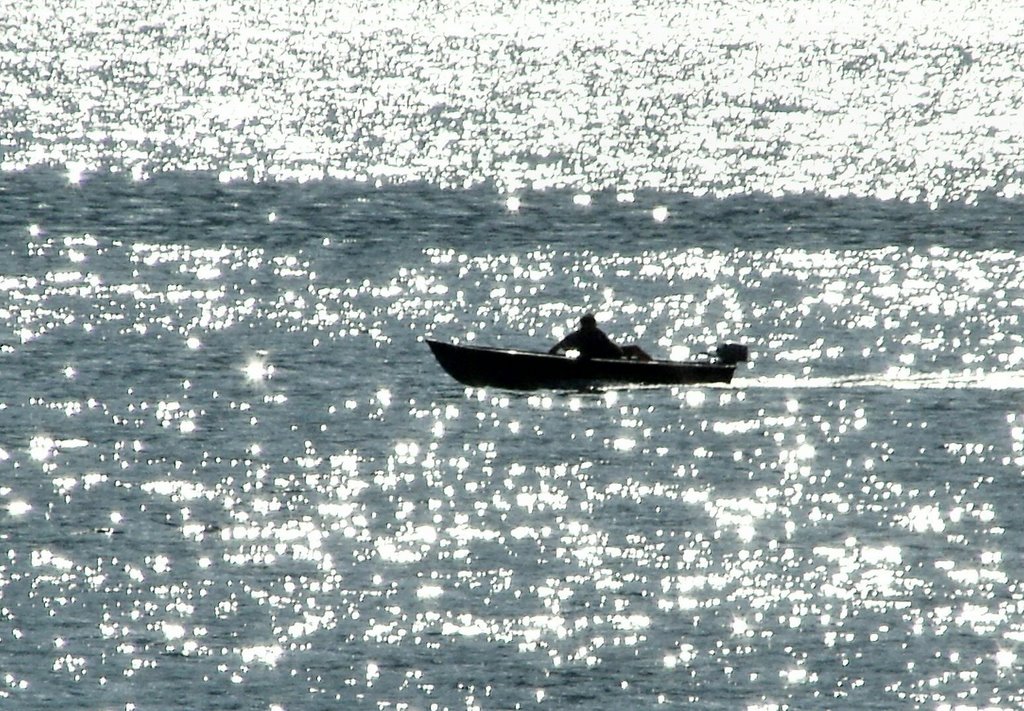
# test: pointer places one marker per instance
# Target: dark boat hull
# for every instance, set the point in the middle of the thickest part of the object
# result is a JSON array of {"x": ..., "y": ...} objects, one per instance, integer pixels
[{"x": 522, "y": 370}]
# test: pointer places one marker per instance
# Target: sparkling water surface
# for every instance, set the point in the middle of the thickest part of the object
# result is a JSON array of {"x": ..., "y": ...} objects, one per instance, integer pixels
[
  {"x": 232, "y": 475},
  {"x": 909, "y": 100},
  {"x": 232, "y": 463}
]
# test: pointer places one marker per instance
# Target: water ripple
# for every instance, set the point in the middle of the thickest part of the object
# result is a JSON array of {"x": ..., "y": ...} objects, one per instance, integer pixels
[{"x": 882, "y": 100}]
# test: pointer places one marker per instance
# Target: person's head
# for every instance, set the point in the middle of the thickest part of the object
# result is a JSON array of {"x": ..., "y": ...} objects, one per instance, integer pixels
[{"x": 588, "y": 321}]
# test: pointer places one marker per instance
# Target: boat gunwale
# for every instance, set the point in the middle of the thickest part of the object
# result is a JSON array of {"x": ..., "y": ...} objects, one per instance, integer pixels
[{"x": 561, "y": 358}]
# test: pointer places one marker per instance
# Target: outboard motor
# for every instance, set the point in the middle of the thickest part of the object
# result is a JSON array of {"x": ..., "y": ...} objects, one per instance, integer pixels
[{"x": 731, "y": 353}]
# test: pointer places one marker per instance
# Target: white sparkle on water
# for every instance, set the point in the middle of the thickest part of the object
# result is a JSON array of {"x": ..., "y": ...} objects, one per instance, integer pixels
[{"x": 345, "y": 525}]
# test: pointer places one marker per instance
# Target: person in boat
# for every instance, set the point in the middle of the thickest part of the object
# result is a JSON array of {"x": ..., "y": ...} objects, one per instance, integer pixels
[{"x": 592, "y": 342}]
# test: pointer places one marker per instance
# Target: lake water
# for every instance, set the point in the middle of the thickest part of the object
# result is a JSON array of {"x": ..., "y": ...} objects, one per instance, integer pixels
[{"x": 233, "y": 477}]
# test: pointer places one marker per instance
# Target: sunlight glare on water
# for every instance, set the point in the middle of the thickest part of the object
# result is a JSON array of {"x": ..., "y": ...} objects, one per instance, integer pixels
[
  {"x": 232, "y": 472},
  {"x": 883, "y": 100},
  {"x": 786, "y": 537}
]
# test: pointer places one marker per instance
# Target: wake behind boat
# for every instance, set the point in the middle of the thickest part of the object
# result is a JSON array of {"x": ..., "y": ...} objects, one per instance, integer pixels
[{"x": 482, "y": 366}]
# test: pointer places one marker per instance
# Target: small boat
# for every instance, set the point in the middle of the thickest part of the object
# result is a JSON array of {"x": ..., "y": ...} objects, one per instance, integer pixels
[{"x": 481, "y": 366}]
